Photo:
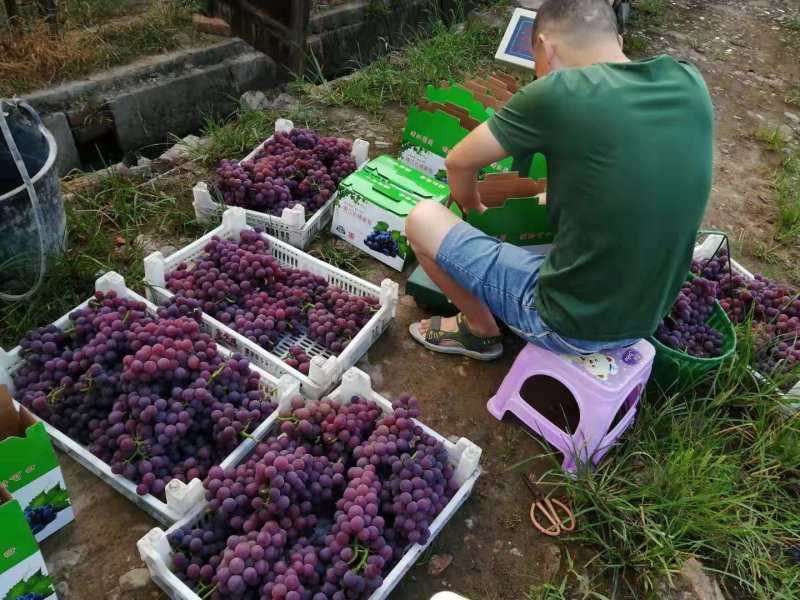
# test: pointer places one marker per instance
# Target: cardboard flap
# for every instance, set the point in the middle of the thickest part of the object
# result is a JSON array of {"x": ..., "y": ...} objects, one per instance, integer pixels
[
  {"x": 487, "y": 100},
  {"x": 12, "y": 423},
  {"x": 451, "y": 109},
  {"x": 510, "y": 81},
  {"x": 498, "y": 91},
  {"x": 497, "y": 188}
]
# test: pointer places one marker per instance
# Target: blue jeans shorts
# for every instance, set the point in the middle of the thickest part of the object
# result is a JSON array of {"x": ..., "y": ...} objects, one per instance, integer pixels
[{"x": 503, "y": 277}]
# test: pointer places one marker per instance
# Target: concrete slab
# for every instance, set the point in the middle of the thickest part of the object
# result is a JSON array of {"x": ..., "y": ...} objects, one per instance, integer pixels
[
  {"x": 67, "y": 158},
  {"x": 180, "y": 105}
]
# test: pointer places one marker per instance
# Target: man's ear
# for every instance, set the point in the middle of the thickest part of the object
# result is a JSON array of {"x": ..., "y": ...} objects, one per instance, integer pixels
[{"x": 549, "y": 51}]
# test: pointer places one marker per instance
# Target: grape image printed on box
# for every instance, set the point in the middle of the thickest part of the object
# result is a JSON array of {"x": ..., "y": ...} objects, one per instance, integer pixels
[
  {"x": 29, "y": 470},
  {"x": 23, "y": 574}
]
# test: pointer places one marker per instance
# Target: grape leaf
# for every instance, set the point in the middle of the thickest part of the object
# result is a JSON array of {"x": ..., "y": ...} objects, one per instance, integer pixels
[
  {"x": 38, "y": 583},
  {"x": 402, "y": 248},
  {"x": 18, "y": 589},
  {"x": 381, "y": 226}
]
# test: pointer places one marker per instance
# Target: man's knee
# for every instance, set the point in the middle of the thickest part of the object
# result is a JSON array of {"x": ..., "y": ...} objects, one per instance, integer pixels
[{"x": 420, "y": 218}]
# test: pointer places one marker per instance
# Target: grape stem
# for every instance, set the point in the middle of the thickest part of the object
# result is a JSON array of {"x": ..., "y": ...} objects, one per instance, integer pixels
[
  {"x": 216, "y": 374},
  {"x": 52, "y": 397}
]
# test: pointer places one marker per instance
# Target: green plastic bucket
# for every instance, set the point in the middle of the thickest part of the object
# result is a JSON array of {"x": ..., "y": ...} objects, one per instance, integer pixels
[{"x": 671, "y": 365}]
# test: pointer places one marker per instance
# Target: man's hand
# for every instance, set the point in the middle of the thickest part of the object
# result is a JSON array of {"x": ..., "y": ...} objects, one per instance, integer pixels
[{"x": 476, "y": 151}]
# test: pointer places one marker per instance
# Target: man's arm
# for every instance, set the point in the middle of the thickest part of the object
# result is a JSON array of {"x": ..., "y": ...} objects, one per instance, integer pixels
[{"x": 479, "y": 149}]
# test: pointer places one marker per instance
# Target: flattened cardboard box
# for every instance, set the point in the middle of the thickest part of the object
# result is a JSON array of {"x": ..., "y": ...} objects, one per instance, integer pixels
[
  {"x": 23, "y": 573},
  {"x": 29, "y": 470},
  {"x": 372, "y": 206}
]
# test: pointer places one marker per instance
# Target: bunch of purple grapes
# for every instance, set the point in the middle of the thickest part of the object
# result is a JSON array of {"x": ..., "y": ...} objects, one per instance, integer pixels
[
  {"x": 322, "y": 511},
  {"x": 686, "y": 327},
  {"x": 773, "y": 309},
  {"x": 298, "y": 168},
  {"x": 242, "y": 285},
  {"x": 148, "y": 395}
]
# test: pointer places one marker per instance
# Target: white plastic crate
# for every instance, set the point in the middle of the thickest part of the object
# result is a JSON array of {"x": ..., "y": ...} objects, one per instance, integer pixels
[
  {"x": 705, "y": 251},
  {"x": 465, "y": 456},
  {"x": 180, "y": 497},
  {"x": 291, "y": 227},
  {"x": 325, "y": 369}
]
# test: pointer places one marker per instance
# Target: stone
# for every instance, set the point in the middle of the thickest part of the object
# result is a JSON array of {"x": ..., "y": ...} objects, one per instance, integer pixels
[
  {"x": 181, "y": 104},
  {"x": 438, "y": 563},
  {"x": 181, "y": 152},
  {"x": 212, "y": 25},
  {"x": 548, "y": 557},
  {"x": 143, "y": 168},
  {"x": 253, "y": 100},
  {"x": 149, "y": 244},
  {"x": 529, "y": 4},
  {"x": 493, "y": 19},
  {"x": 285, "y": 102},
  {"x": 67, "y": 157},
  {"x": 62, "y": 589},
  {"x": 792, "y": 117},
  {"x": 134, "y": 579},
  {"x": 699, "y": 583}
]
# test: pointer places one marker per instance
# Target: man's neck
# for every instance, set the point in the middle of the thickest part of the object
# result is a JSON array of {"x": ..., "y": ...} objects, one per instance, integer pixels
[{"x": 606, "y": 54}]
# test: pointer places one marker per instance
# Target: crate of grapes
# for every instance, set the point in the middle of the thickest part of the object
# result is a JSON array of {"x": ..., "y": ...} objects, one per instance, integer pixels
[
  {"x": 134, "y": 420},
  {"x": 284, "y": 310},
  {"x": 340, "y": 505},
  {"x": 291, "y": 207},
  {"x": 773, "y": 308}
]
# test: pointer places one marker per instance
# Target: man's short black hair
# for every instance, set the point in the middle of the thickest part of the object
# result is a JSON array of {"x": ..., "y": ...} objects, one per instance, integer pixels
[{"x": 580, "y": 21}]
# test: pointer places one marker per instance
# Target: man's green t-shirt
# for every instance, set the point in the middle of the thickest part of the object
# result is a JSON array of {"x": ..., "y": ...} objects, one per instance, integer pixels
[{"x": 629, "y": 165}]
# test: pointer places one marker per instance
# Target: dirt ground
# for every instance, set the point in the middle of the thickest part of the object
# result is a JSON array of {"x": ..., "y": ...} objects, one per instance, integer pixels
[{"x": 496, "y": 553}]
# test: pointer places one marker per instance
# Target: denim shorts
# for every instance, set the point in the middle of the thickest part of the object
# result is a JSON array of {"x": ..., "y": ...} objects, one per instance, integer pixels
[{"x": 503, "y": 277}]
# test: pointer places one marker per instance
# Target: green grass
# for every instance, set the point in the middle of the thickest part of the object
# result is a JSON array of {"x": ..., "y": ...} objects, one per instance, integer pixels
[
  {"x": 649, "y": 7},
  {"x": 103, "y": 223},
  {"x": 37, "y": 58},
  {"x": 772, "y": 136},
  {"x": 636, "y": 44},
  {"x": 793, "y": 97},
  {"x": 787, "y": 198},
  {"x": 235, "y": 136},
  {"x": 402, "y": 76},
  {"x": 340, "y": 254},
  {"x": 568, "y": 587},
  {"x": 711, "y": 472}
]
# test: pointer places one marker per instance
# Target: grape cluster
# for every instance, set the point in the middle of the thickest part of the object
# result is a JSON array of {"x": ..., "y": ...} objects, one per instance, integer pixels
[
  {"x": 686, "y": 328},
  {"x": 320, "y": 512},
  {"x": 242, "y": 285},
  {"x": 773, "y": 309},
  {"x": 30, "y": 596},
  {"x": 383, "y": 242},
  {"x": 290, "y": 169},
  {"x": 40, "y": 517},
  {"x": 150, "y": 395}
]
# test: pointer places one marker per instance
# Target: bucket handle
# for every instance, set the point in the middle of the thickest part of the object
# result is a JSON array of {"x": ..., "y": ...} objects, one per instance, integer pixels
[{"x": 23, "y": 171}]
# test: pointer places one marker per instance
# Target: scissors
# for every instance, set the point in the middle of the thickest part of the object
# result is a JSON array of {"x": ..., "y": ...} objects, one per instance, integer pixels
[{"x": 559, "y": 516}]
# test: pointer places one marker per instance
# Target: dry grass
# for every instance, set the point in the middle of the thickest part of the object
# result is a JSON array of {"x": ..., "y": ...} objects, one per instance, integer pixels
[{"x": 36, "y": 58}]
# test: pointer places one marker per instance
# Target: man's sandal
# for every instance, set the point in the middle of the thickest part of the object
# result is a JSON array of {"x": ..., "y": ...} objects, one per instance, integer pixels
[{"x": 462, "y": 341}]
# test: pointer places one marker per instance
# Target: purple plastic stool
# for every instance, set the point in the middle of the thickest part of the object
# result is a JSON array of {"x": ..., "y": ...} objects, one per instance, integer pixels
[{"x": 601, "y": 384}]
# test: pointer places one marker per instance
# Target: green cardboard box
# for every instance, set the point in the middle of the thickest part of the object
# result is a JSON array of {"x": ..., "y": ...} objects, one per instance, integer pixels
[
  {"x": 372, "y": 206},
  {"x": 22, "y": 567},
  {"x": 29, "y": 470},
  {"x": 517, "y": 213},
  {"x": 433, "y": 129}
]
